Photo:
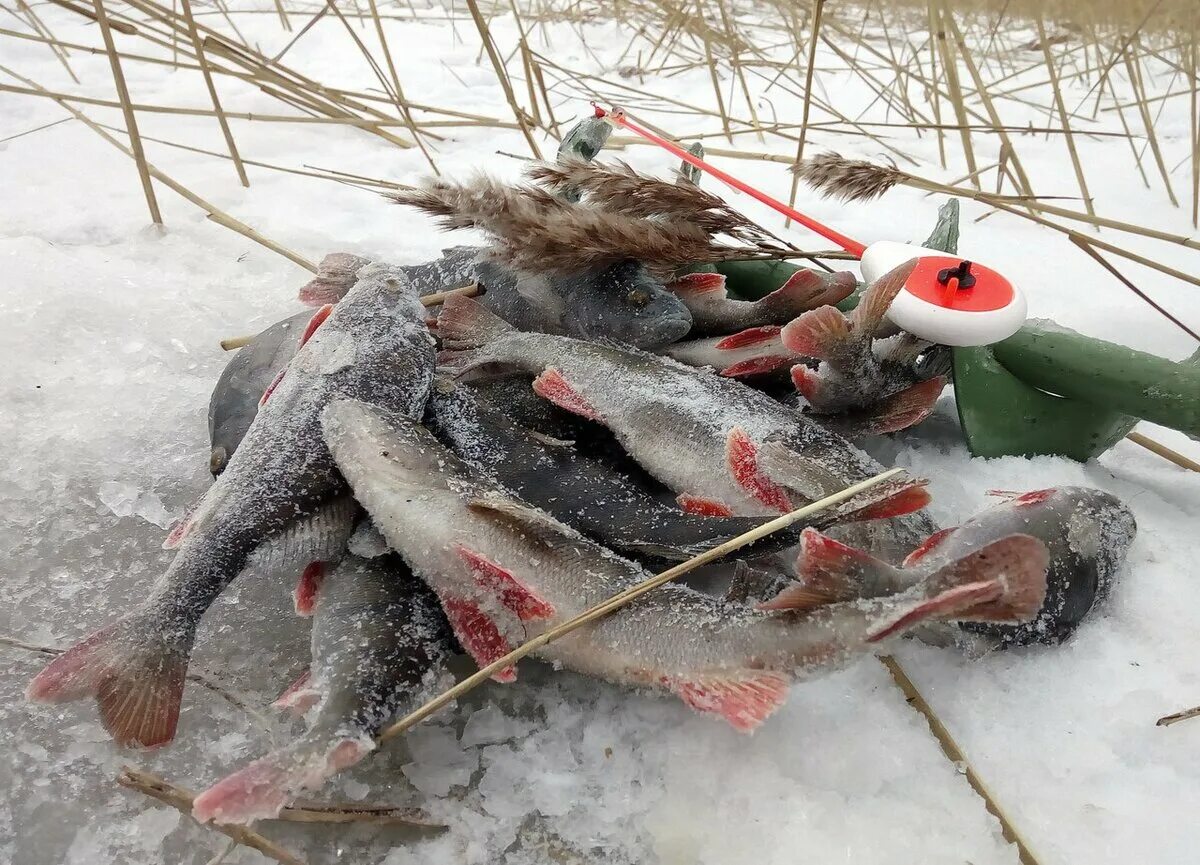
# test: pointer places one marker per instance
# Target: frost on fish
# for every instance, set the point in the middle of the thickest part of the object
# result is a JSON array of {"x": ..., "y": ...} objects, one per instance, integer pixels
[
  {"x": 729, "y": 660},
  {"x": 620, "y": 302},
  {"x": 374, "y": 345},
  {"x": 580, "y": 489},
  {"x": 699, "y": 434},
  {"x": 379, "y": 647}
]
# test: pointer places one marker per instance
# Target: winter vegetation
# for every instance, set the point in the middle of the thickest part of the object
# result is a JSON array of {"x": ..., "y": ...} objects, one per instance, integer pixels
[{"x": 172, "y": 175}]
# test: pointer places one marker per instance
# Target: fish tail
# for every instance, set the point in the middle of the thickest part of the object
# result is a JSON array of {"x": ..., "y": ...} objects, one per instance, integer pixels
[
  {"x": 804, "y": 289},
  {"x": 822, "y": 333},
  {"x": 1004, "y": 581},
  {"x": 261, "y": 789},
  {"x": 828, "y": 571},
  {"x": 465, "y": 323},
  {"x": 335, "y": 277},
  {"x": 135, "y": 670},
  {"x": 465, "y": 328},
  {"x": 877, "y": 299}
]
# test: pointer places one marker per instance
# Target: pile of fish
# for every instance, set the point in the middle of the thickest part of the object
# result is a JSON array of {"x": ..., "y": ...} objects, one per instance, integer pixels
[{"x": 463, "y": 482}]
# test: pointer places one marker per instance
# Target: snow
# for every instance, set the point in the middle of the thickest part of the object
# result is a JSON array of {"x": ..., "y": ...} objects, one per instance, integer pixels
[{"x": 110, "y": 350}]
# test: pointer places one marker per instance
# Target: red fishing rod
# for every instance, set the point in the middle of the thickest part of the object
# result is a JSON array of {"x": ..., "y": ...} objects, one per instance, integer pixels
[{"x": 946, "y": 299}]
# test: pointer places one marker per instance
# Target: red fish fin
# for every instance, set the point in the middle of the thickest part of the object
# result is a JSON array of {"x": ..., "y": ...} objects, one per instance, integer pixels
[
  {"x": 701, "y": 506},
  {"x": 298, "y": 697},
  {"x": 1031, "y": 498},
  {"x": 807, "y": 381},
  {"x": 261, "y": 790},
  {"x": 927, "y": 546},
  {"x": 478, "y": 634},
  {"x": 799, "y": 598},
  {"x": 137, "y": 680},
  {"x": 905, "y": 409},
  {"x": 308, "y": 587},
  {"x": 466, "y": 323},
  {"x": 1004, "y": 581},
  {"x": 911, "y": 498},
  {"x": 744, "y": 699},
  {"x": 819, "y": 333},
  {"x": 748, "y": 337},
  {"x": 698, "y": 283},
  {"x": 316, "y": 321},
  {"x": 335, "y": 276},
  {"x": 510, "y": 591},
  {"x": 801, "y": 292},
  {"x": 756, "y": 366},
  {"x": 836, "y": 287},
  {"x": 271, "y": 387},
  {"x": 878, "y": 297},
  {"x": 552, "y": 386},
  {"x": 741, "y": 453},
  {"x": 178, "y": 532},
  {"x": 839, "y": 570}
]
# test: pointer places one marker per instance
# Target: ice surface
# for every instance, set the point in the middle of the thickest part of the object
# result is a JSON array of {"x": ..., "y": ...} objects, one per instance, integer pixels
[{"x": 110, "y": 352}]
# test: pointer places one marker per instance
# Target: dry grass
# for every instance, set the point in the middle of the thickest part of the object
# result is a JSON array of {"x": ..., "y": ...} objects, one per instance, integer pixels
[{"x": 938, "y": 68}]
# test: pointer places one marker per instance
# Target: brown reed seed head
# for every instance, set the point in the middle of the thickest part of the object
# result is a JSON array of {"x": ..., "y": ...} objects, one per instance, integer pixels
[
  {"x": 623, "y": 215},
  {"x": 848, "y": 179}
]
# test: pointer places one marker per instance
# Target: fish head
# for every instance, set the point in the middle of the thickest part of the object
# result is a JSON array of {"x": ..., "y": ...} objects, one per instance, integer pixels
[
  {"x": 1100, "y": 528},
  {"x": 623, "y": 302},
  {"x": 1088, "y": 532}
]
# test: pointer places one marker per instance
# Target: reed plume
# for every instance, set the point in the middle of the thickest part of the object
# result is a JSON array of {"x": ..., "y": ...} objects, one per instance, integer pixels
[
  {"x": 848, "y": 179},
  {"x": 620, "y": 189},
  {"x": 623, "y": 216}
]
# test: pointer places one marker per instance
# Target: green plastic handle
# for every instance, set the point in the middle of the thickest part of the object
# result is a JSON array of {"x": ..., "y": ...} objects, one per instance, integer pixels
[{"x": 1120, "y": 379}]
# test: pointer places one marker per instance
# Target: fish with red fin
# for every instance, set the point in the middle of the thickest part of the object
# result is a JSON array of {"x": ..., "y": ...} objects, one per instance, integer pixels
[
  {"x": 374, "y": 345},
  {"x": 505, "y": 571}
]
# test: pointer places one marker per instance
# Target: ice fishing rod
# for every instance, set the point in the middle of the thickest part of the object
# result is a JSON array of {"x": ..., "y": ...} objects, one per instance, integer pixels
[{"x": 946, "y": 299}]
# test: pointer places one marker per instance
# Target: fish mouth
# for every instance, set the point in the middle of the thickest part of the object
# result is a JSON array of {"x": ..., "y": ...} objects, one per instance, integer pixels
[{"x": 659, "y": 332}]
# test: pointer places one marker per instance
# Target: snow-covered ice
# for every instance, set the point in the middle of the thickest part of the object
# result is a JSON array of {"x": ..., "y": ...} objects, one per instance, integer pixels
[{"x": 110, "y": 346}]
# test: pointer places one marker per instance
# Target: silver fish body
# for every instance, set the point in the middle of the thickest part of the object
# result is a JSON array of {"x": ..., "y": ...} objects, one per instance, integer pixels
[
  {"x": 697, "y": 433},
  {"x": 505, "y": 572},
  {"x": 380, "y": 645},
  {"x": 373, "y": 345},
  {"x": 582, "y": 491}
]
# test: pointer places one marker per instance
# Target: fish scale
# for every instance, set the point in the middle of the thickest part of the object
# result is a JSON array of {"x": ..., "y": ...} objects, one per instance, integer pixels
[
  {"x": 380, "y": 643},
  {"x": 674, "y": 420},
  {"x": 728, "y": 659},
  {"x": 374, "y": 345}
]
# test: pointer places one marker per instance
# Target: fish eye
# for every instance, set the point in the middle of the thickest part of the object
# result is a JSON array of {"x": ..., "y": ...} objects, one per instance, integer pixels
[{"x": 638, "y": 297}]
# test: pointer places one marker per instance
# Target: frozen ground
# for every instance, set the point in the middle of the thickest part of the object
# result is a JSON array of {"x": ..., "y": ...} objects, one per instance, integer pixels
[{"x": 110, "y": 349}]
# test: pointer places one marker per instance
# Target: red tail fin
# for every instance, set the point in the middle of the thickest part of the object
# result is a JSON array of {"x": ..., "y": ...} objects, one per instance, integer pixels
[
  {"x": 1004, "y": 581},
  {"x": 466, "y": 323},
  {"x": 828, "y": 571},
  {"x": 335, "y": 276},
  {"x": 821, "y": 333},
  {"x": 801, "y": 292},
  {"x": 264, "y": 787},
  {"x": 135, "y": 675}
]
